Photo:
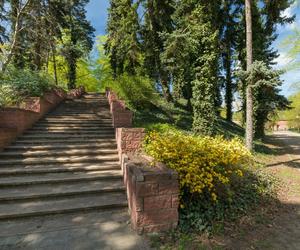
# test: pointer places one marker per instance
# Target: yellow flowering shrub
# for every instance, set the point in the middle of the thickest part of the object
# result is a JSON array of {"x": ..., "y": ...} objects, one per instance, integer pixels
[{"x": 204, "y": 164}]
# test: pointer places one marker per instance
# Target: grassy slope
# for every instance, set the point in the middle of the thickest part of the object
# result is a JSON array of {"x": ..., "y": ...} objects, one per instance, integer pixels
[
  {"x": 164, "y": 115},
  {"x": 177, "y": 116}
]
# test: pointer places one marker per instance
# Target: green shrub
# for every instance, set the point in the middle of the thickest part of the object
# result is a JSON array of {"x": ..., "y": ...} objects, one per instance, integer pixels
[
  {"x": 217, "y": 177},
  {"x": 8, "y": 96},
  {"x": 17, "y": 84},
  {"x": 137, "y": 91}
]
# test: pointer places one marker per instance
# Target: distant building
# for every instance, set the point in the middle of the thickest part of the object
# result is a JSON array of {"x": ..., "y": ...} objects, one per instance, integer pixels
[{"x": 282, "y": 125}]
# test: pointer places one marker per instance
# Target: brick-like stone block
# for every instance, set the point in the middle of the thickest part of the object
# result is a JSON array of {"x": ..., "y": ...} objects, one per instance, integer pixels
[
  {"x": 168, "y": 187},
  {"x": 7, "y": 136},
  {"x": 129, "y": 140},
  {"x": 122, "y": 119},
  {"x": 76, "y": 93},
  {"x": 157, "y": 217},
  {"x": 150, "y": 210},
  {"x": 146, "y": 189},
  {"x": 157, "y": 202},
  {"x": 111, "y": 96},
  {"x": 15, "y": 120},
  {"x": 117, "y": 106}
]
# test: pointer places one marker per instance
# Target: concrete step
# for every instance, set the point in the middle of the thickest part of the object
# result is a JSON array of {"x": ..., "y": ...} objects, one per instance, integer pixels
[
  {"x": 67, "y": 131},
  {"x": 60, "y": 159},
  {"x": 70, "y": 129},
  {"x": 78, "y": 126},
  {"x": 76, "y": 119},
  {"x": 63, "y": 147},
  {"x": 78, "y": 122},
  {"x": 57, "y": 168},
  {"x": 59, "y": 223},
  {"x": 60, "y": 190},
  {"x": 55, "y": 178},
  {"x": 52, "y": 153},
  {"x": 70, "y": 141},
  {"x": 66, "y": 136},
  {"x": 62, "y": 205}
]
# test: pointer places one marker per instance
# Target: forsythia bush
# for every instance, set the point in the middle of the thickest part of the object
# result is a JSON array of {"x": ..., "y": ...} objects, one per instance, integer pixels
[{"x": 205, "y": 164}]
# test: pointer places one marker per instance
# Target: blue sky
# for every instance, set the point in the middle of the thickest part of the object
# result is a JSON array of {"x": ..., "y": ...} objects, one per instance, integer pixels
[{"x": 97, "y": 14}]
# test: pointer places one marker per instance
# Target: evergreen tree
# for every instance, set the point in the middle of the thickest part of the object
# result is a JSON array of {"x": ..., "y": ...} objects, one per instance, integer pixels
[
  {"x": 3, "y": 18},
  {"x": 122, "y": 44},
  {"x": 264, "y": 22},
  {"x": 231, "y": 11},
  {"x": 79, "y": 36},
  {"x": 192, "y": 55},
  {"x": 157, "y": 24}
]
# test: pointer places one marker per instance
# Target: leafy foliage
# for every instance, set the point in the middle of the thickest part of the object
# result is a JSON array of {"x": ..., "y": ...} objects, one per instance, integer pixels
[
  {"x": 218, "y": 178},
  {"x": 18, "y": 84},
  {"x": 293, "y": 114},
  {"x": 203, "y": 163},
  {"x": 41, "y": 30},
  {"x": 266, "y": 83},
  {"x": 138, "y": 92},
  {"x": 122, "y": 44}
]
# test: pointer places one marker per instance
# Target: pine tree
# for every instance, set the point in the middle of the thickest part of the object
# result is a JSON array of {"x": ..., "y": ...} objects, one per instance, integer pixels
[
  {"x": 264, "y": 22},
  {"x": 157, "y": 24},
  {"x": 3, "y": 18},
  {"x": 231, "y": 11},
  {"x": 122, "y": 44},
  {"x": 192, "y": 56}
]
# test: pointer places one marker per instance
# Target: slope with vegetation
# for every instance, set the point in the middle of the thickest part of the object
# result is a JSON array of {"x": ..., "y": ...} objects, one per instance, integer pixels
[{"x": 175, "y": 63}]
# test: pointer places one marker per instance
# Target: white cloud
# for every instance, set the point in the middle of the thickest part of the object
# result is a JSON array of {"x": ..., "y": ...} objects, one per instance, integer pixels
[
  {"x": 282, "y": 61},
  {"x": 289, "y": 12}
]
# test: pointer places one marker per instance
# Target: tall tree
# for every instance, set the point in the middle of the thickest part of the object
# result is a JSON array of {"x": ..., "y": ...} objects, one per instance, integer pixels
[
  {"x": 18, "y": 10},
  {"x": 249, "y": 95},
  {"x": 123, "y": 46},
  {"x": 231, "y": 11},
  {"x": 157, "y": 24},
  {"x": 3, "y": 18},
  {"x": 192, "y": 57},
  {"x": 79, "y": 36}
]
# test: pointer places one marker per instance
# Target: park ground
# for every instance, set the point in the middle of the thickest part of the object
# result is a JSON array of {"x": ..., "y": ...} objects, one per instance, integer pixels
[{"x": 275, "y": 226}]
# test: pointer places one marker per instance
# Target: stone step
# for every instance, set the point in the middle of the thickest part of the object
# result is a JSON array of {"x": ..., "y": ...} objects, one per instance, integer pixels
[
  {"x": 59, "y": 223},
  {"x": 76, "y": 119},
  {"x": 66, "y": 136},
  {"x": 55, "y": 178},
  {"x": 64, "y": 147},
  {"x": 70, "y": 129},
  {"x": 67, "y": 132},
  {"x": 70, "y": 141},
  {"x": 62, "y": 205},
  {"x": 61, "y": 159},
  {"x": 60, "y": 190},
  {"x": 78, "y": 122},
  {"x": 57, "y": 168},
  {"x": 57, "y": 125},
  {"x": 52, "y": 153}
]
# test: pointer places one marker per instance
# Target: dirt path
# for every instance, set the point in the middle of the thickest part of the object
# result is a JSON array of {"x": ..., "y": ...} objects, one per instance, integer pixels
[
  {"x": 282, "y": 230},
  {"x": 286, "y": 163}
]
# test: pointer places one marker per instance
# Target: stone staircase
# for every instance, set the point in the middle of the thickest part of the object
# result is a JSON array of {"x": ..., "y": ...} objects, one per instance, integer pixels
[{"x": 67, "y": 163}]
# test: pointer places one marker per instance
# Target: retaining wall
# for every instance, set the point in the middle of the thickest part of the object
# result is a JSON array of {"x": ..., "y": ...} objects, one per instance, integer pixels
[
  {"x": 15, "y": 120},
  {"x": 152, "y": 191}
]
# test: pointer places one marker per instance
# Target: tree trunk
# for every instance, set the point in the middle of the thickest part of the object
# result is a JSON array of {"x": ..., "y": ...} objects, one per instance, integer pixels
[
  {"x": 54, "y": 64},
  {"x": 228, "y": 93},
  {"x": 249, "y": 95},
  {"x": 165, "y": 86}
]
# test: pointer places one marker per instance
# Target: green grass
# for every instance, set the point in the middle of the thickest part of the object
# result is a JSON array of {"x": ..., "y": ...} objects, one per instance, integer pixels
[
  {"x": 165, "y": 113},
  {"x": 163, "y": 116}
]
